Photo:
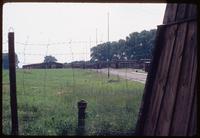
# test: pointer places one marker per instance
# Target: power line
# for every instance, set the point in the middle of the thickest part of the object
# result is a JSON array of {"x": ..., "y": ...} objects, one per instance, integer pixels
[
  {"x": 61, "y": 54},
  {"x": 54, "y": 43}
]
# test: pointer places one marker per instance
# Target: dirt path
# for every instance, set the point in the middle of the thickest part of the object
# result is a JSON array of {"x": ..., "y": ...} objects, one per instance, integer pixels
[{"x": 129, "y": 74}]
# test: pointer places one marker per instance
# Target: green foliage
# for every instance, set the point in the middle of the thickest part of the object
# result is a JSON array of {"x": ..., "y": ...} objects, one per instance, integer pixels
[
  {"x": 136, "y": 46},
  {"x": 47, "y": 104},
  {"x": 6, "y": 61},
  {"x": 48, "y": 59}
]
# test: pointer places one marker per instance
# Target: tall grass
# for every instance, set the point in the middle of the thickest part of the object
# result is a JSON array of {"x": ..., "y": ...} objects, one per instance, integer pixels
[{"x": 47, "y": 102}]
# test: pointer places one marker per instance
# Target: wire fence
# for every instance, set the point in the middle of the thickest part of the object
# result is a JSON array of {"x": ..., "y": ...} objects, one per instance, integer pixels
[{"x": 48, "y": 96}]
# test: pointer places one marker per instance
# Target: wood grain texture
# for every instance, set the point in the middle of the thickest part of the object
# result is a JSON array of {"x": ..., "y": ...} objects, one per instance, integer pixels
[
  {"x": 192, "y": 11},
  {"x": 160, "y": 79},
  {"x": 170, "y": 13},
  {"x": 163, "y": 66},
  {"x": 169, "y": 101},
  {"x": 170, "y": 89},
  {"x": 144, "y": 107},
  {"x": 182, "y": 11},
  {"x": 185, "y": 91},
  {"x": 192, "y": 129}
]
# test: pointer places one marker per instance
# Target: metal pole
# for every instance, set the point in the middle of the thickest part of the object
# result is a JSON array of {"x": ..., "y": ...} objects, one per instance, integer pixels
[
  {"x": 108, "y": 50},
  {"x": 108, "y": 26},
  {"x": 12, "y": 75},
  {"x": 96, "y": 37}
]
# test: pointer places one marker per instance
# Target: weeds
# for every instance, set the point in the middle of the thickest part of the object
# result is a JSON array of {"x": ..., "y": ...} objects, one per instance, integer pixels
[{"x": 112, "y": 107}]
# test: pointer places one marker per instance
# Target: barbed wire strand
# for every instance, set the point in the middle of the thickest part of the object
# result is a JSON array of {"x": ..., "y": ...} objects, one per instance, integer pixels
[
  {"x": 45, "y": 85},
  {"x": 73, "y": 74},
  {"x": 45, "y": 70},
  {"x": 23, "y": 76},
  {"x": 53, "y": 43},
  {"x": 45, "y": 79}
]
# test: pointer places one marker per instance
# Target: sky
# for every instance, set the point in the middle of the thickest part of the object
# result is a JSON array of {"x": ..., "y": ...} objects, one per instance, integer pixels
[{"x": 68, "y": 30}]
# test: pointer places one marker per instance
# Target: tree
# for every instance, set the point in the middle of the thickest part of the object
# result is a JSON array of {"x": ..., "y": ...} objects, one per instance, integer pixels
[
  {"x": 49, "y": 59},
  {"x": 136, "y": 46},
  {"x": 6, "y": 61}
]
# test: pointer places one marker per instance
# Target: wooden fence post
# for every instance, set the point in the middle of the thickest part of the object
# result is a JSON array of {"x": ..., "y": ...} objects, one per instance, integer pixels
[
  {"x": 81, "y": 116},
  {"x": 12, "y": 76}
]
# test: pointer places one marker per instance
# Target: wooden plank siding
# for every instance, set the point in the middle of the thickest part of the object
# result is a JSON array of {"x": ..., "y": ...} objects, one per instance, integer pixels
[
  {"x": 160, "y": 80},
  {"x": 187, "y": 80},
  {"x": 170, "y": 13},
  {"x": 168, "y": 101},
  {"x": 169, "y": 97},
  {"x": 142, "y": 116},
  {"x": 192, "y": 129}
]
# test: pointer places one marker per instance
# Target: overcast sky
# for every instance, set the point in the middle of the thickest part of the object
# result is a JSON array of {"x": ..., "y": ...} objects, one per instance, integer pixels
[{"x": 68, "y": 30}]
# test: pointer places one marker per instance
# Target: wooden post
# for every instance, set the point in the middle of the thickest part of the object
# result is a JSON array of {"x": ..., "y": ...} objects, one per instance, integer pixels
[
  {"x": 81, "y": 116},
  {"x": 12, "y": 75}
]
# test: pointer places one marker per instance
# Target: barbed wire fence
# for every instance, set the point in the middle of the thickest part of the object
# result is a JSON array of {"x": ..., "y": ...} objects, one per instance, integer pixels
[{"x": 45, "y": 86}]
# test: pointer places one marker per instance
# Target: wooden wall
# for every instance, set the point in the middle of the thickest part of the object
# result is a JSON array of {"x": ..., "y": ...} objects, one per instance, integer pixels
[{"x": 169, "y": 103}]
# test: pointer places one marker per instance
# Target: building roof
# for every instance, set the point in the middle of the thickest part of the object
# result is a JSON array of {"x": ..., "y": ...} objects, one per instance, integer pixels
[{"x": 41, "y": 64}]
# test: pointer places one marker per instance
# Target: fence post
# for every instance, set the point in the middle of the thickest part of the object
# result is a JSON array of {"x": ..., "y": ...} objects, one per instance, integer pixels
[
  {"x": 12, "y": 76},
  {"x": 81, "y": 116}
]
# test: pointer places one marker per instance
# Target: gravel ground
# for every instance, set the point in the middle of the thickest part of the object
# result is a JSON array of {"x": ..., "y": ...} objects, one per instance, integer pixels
[{"x": 129, "y": 74}]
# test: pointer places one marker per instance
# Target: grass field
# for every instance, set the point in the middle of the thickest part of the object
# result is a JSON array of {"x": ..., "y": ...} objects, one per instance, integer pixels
[{"x": 47, "y": 102}]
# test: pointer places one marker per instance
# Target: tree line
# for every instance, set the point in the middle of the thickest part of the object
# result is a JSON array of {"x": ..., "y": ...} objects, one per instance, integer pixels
[
  {"x": 136, "y": 46},
  {"x": 5, "y": 61}
]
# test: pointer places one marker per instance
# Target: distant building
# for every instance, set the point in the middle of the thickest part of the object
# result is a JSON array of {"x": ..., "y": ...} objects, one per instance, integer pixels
[
  {"x": 146, "y": 66},
  {"x": 87, "y": 65},
  {"x": 49, "y": 65},
  {"x": 135, "y": 64},
  {"x": 126, "y": 64}
]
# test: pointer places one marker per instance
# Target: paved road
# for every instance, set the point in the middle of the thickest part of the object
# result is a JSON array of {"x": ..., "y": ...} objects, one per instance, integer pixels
[{"x": 129, "y": 74}]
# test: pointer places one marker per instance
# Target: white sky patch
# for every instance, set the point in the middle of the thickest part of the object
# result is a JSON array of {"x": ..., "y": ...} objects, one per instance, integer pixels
[{"x": 70, "y": 28}]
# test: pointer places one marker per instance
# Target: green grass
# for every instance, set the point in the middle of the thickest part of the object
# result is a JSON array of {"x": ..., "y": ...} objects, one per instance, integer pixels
[{"x": 47, "y": 104}]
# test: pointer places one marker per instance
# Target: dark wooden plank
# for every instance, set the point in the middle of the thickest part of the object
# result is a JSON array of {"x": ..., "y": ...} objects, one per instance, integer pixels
[
  {"x": 192, "y": 129},
  {"x": 160, "y": 107},
  {"x": 168, "y": 100},
  {"x": 192, "y": 11},
  {"x": 170, "y": 13},
  {"x": 169, "y": 94},
  {"x": 187, "y": 80},
  {"x": 181, "y": 12},
  {"x": 160, "y": 79},
  {"x": 144, "y": 107}
]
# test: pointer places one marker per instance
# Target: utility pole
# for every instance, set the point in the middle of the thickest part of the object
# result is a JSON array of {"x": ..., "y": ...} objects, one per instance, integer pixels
[
  {"x": 108, "y": 60},
  {"x": 96, "y": 37},
  {"x": 108, "y": 26},
  {"x": 90, "y": 47}
]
